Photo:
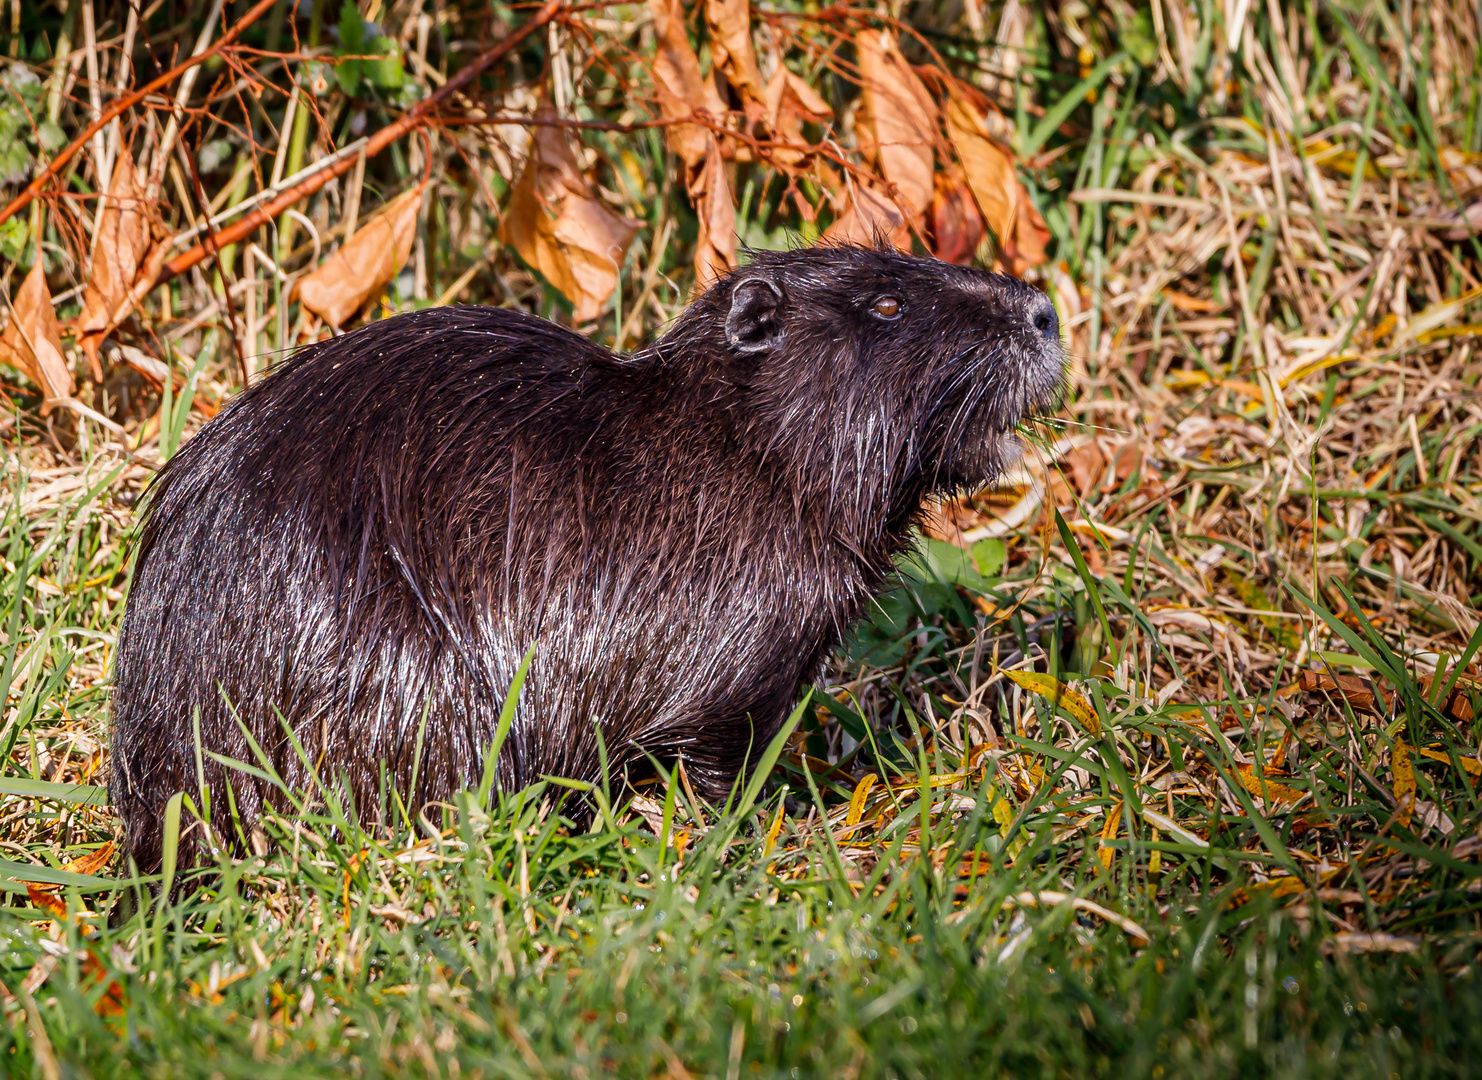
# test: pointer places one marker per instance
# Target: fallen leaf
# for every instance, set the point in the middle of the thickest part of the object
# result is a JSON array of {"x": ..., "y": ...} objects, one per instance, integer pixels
[
  {"x": 365, "y": 263},
  {"x": 710, "y": 192},
  {"x": 1470, "y": 764},
  {"x": 1358, "y": 692},
  {"x": 857, "y": 800},
  {"x": 1104, "y": 851},
  {"x": 988, "y": 167},
  {"x": 560, "y": 228},
  {"x": 680, "y": 87},
  {"x": 46, "y": 901},
  {"x": 898, "y": 118},
  {"x": 733, "y": 54},
  {"x": 1191, "y": 304},
  {"x": 1057, "y": 693},
  {"x": 1085, "y": 466},
  {"x": 1403, "y": 771},
  {"x": 92, "y": 862},
  {"x": 1264, "y": 787},
  {"x": 126, "y": 239},
  {"x": 956, "y": 225},
  {"x": 790, "y": 102},
  {"x": 1358, "y": 942},
  {"x": 32, "y": 341}
]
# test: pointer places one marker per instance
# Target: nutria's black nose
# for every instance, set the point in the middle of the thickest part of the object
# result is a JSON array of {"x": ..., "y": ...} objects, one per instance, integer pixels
[{"x": 1045, "y": 320}]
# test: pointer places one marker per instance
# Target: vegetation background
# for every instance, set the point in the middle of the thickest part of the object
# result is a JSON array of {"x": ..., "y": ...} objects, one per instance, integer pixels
[{"x": 1161, "y": 757}]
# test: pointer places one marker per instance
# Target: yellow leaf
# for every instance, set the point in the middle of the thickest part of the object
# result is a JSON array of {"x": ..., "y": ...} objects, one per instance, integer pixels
[
  {"x": 1108, "y": 833},
  {"x": 1471, "y": 765},
  {"x": 1267, "y": 789},
  {"x": 857, "y": 800},
  {"x": 773, "y": 831},
  {"x": 1003, "y": 813},
  {"x": 1057, "y": 693},
  {"x": 1404, "y": 776}
]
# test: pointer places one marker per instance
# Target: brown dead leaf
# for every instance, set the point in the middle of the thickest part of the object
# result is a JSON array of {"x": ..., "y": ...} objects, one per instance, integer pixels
[
  {"x": 988, "y": 167},
  {"x": 32, "y": 342},
  {"x": 559, "y": 227},
  {"x": 869, "y": 218},
  {"x": 733, "y": 54},
  {"x": 1084, "y": 465},
  {"x": 680, "y": 87},
  {"x": 126, "y": 240},
  {"x": 790, "y": 101},
  {"x": 365, "y": 263},
  {"x": 956, "y": 225},
  {"x": 715, "y": 248},
  {"x": 1360, "y": 693},
  {"x": 898, "y": 119}
]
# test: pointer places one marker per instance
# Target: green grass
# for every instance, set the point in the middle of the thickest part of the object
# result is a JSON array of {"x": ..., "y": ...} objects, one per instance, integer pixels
[
  {"x": 504, "y": 942},
  {"x": 506, "y": 947}
]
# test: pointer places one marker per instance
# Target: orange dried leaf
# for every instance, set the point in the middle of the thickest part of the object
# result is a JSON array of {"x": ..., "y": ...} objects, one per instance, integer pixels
[
  {"x": 732, "y": 52},
  {"x": 715, "y": 248},
  {"x": 989, "y": 168},
  {"x": 32, "y": 341},
  {"x": 680, "y": 88},
  {"x": 790, "y": 102},
  {"x": 869, "y": 218},
  {"x": 92, "y": 862},
  {"x": 898, "y": 119},
  {"x": 365, "y": 263},
  {"x": 557, "y": 225},
  {"x": 956, "y": 225},
  {"x": 1030, "y": 237},
  {"x": 46, "y": 901},
  {"x": 122, "y": 255}
]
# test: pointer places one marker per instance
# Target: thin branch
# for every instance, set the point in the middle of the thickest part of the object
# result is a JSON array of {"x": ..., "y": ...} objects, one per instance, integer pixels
[
  {"x": 122, "y": 105},
  {"x": 409, "y": 121}
]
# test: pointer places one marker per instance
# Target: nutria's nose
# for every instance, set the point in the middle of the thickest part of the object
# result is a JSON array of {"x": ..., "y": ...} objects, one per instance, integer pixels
[{"x": 1042, "y": 316}]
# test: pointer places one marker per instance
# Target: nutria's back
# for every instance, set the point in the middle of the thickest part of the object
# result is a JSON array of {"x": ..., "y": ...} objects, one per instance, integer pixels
[{"x": 379, "y": 532}]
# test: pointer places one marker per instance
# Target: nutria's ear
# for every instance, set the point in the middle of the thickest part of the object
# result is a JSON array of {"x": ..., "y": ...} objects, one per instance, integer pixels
[{"x": 754, "y": 323}]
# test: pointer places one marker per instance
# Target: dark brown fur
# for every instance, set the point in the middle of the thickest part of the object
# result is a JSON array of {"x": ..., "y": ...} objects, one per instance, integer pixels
[{"x": 382, "y": 528}]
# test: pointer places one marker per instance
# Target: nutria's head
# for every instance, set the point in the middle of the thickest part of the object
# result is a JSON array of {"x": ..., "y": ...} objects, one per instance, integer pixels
[{"x": 882, "y": 375}]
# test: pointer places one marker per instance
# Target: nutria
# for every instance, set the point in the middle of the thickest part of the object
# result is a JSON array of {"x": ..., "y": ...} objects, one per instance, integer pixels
[{"x": 378, "y": 531}]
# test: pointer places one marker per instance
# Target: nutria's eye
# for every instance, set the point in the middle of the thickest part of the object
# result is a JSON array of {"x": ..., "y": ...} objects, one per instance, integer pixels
[{"x": 887, "y": 307}]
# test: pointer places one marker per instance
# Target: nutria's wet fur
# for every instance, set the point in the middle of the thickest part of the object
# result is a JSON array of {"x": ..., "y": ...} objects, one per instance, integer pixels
[{"x": 382, "y": 528}]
